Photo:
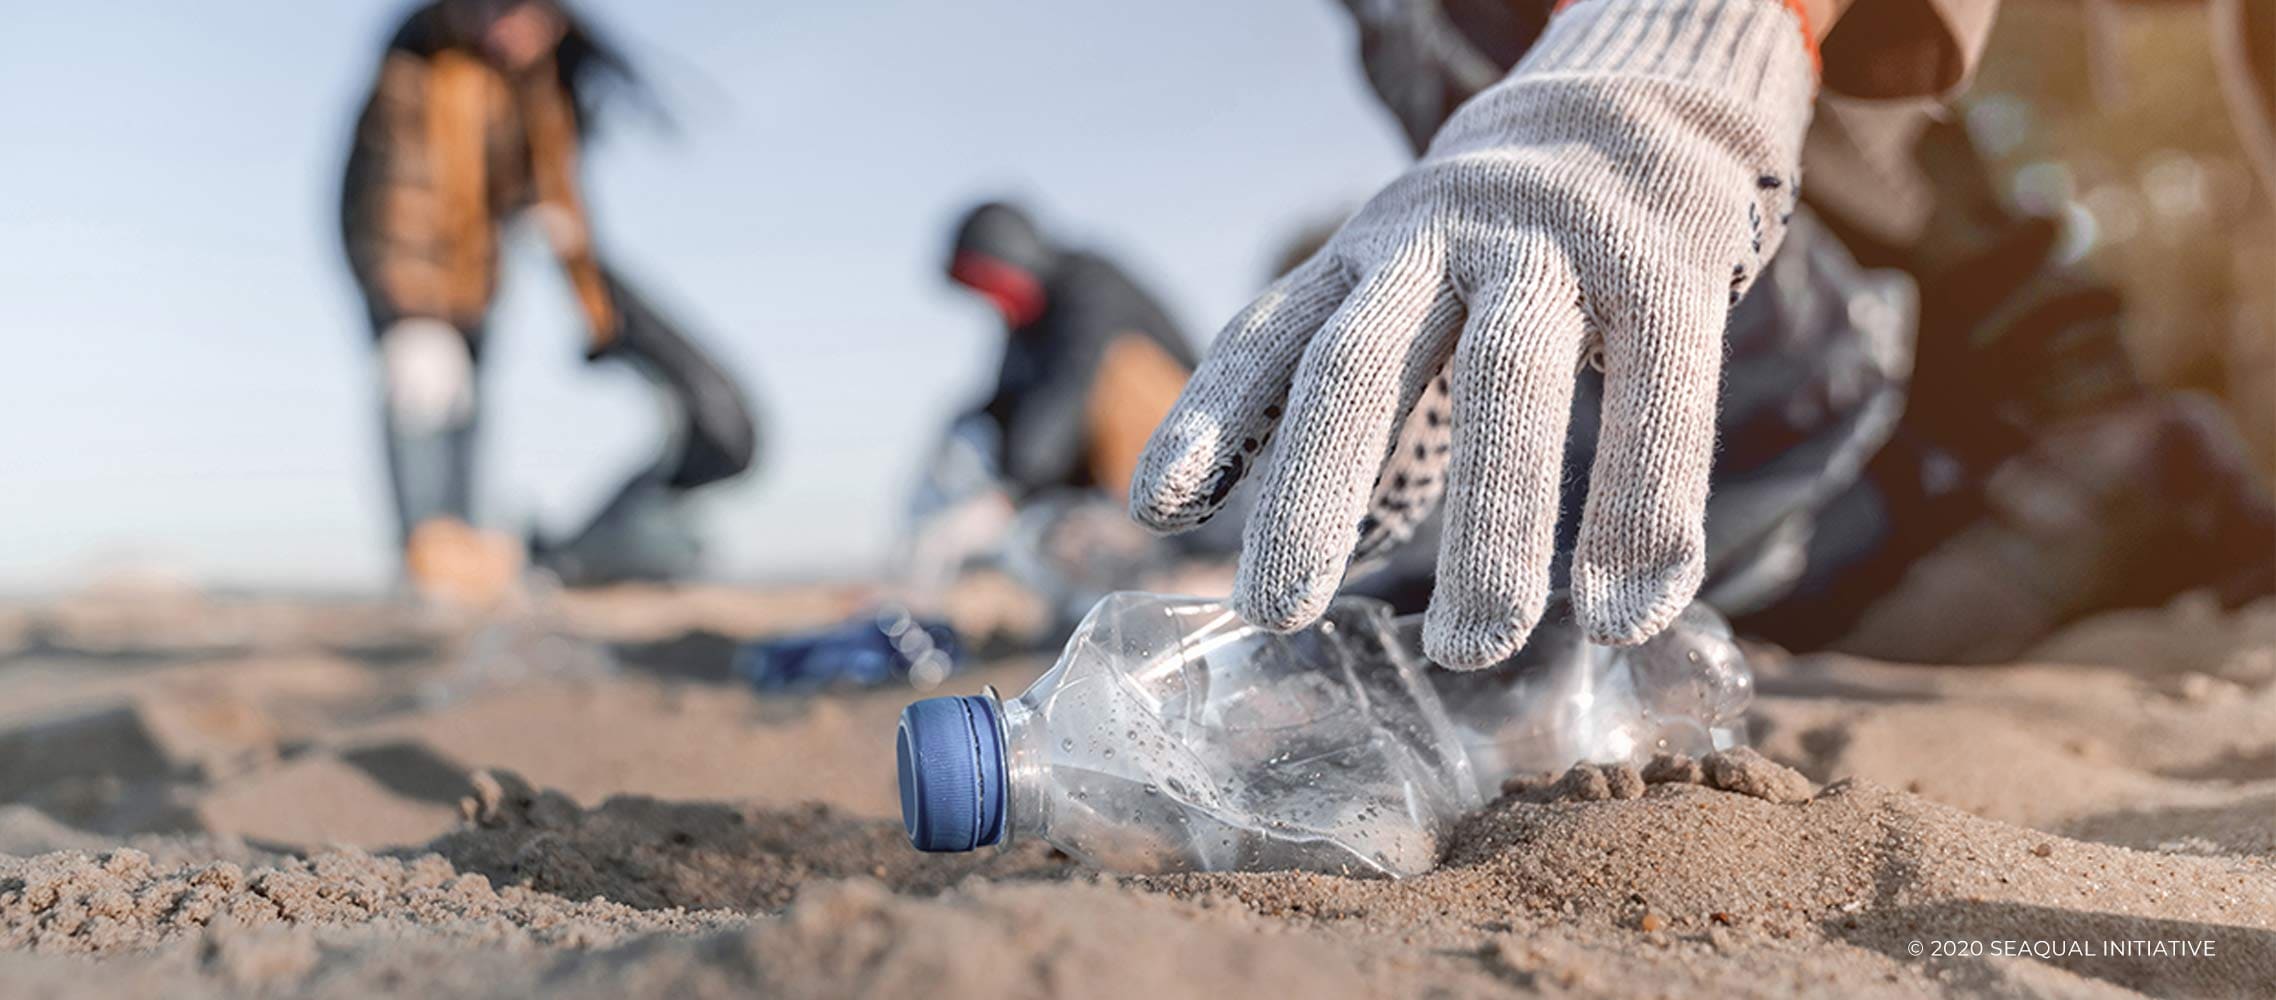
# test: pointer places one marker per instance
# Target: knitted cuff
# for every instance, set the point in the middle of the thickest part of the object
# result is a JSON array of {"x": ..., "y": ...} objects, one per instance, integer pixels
[{"x": 1760, "y": 50}]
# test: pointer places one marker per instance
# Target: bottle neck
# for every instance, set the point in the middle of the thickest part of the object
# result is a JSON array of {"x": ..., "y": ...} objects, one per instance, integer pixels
[{"x": 1027, "y": 758}]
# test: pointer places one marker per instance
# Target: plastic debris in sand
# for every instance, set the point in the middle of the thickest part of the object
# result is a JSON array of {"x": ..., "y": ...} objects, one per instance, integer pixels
[
  {"x": 873, "y": 650},
  {"x": 1173, "y": 736}
]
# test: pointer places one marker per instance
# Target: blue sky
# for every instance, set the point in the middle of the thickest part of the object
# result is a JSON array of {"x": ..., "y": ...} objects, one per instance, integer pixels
[{"x": 187, "y": 382}]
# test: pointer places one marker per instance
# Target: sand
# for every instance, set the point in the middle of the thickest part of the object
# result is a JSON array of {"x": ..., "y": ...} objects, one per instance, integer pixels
[{"x": 215, "y": 796}]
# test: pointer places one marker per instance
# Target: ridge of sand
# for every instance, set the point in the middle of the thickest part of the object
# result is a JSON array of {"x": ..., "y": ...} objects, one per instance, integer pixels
[
  {"x": 651, "y": 854},
  {"x": 1857, "y": 867},
  {"x": 119, "y": 900},
  {"x": 1553, "y": 887},
  {"x": 234, "y": 745}
]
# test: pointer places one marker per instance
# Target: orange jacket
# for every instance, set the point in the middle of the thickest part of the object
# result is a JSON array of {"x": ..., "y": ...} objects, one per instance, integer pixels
[{"x": 446, "y": 150}]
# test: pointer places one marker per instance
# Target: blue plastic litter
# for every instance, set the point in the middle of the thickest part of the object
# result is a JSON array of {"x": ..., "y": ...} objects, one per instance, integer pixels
[{"x": 870, "y": 651}]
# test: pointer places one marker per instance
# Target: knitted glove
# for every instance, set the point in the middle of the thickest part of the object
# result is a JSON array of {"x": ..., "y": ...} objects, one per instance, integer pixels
[
  {"x": 1606, "y": 202},
  {"x": 427, "y": 375}
]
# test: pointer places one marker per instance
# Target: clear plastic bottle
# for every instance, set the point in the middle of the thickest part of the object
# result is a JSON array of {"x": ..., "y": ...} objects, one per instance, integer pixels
[
  {"x": 1563, "y": 699},
  {"x": 1172, "y": 736}
]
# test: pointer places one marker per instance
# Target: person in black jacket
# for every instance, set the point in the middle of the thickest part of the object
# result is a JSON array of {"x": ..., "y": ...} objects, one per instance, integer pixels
[
  {"x": 1034, "y": 479},
  {"x": 1091, "y": 362}
]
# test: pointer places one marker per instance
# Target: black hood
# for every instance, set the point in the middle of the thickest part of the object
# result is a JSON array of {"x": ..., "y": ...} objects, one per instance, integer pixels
[{"x": 1004, "y": 233}]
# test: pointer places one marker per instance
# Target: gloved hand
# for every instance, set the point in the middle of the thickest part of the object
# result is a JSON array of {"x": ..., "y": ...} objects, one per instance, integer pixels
[
  {"x": 1606, "y": 202},
  {"x": 427, "y": 375}
]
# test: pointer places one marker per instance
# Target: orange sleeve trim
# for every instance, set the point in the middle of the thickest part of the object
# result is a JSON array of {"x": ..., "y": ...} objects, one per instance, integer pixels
[
  {"x": 1801, "y": 15},
  {"x": 552, "y": 133}
]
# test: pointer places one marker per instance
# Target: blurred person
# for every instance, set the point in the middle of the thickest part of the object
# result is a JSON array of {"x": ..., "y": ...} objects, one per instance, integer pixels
[
  {"x": 476, "y": 120},
  {"x": 1033, "y": 477},
  {"x": 1090, "y": 363},
  {"x": 1602, "y": 185}
]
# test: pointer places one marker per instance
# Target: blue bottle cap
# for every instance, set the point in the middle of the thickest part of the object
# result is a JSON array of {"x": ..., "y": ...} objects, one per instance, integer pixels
[{"x": 952, "y": 773}]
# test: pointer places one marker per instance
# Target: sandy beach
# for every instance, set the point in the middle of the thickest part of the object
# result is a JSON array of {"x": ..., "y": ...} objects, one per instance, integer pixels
[{"x": 214, "y": 795}]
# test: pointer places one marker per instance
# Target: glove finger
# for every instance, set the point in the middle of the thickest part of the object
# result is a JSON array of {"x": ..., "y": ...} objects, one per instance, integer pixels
[
  {"x": 1643, "y": 541},
  {"x": 1228, "y": 409},
  {"x": 1513, "y": 396},
  {"x": 1381, "y": 347},
  {"x": 1412, "y": 479}
]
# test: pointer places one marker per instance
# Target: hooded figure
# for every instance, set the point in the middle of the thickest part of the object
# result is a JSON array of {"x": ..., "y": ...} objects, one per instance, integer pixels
[
  {"x": 1091, "y": 362},
  {"x": 476, "y": 119}
]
